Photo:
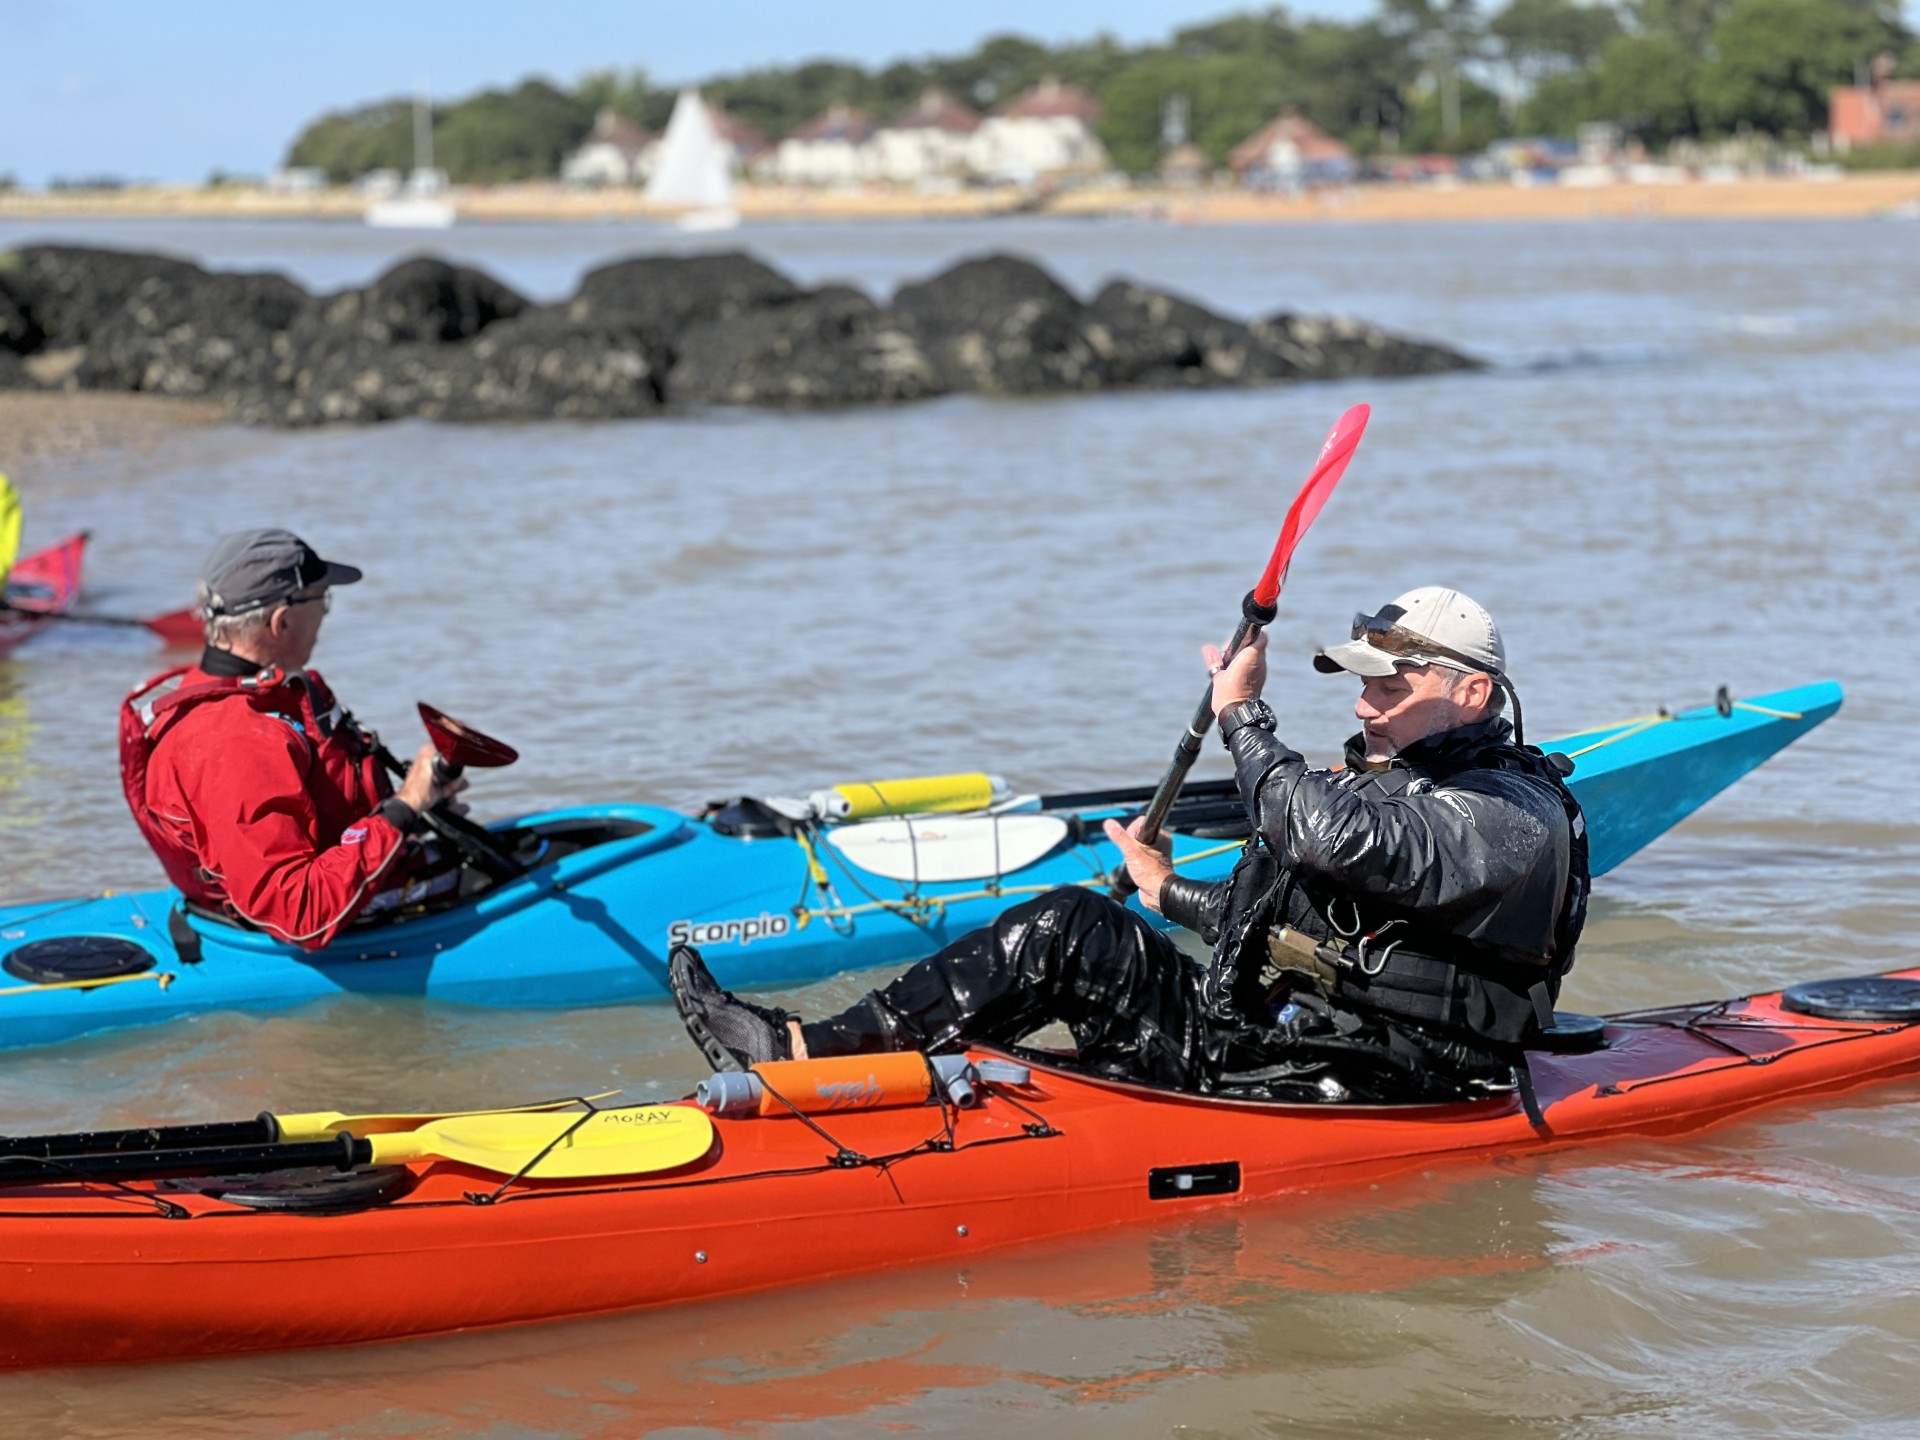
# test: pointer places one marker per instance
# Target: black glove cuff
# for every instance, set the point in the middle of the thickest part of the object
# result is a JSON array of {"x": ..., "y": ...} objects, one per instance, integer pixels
[
  {"x": 397, "y": 813},
  {"x": 1189, "y": 903}
]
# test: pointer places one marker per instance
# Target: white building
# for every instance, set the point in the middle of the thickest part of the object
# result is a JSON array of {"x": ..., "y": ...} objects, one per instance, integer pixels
[
  {"x": 1047, "y": 132},
  {"x": 297, "y": 180},
  {"x": 830, "y": 149},
  {"x": 1288, "y": 152},
  {"x": 927, "y": 142},
  {"x": 615, "y": 152}
]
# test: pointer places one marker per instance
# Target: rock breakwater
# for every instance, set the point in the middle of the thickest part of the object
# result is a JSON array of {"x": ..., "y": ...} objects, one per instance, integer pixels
[{"x": 447, "y": 342}]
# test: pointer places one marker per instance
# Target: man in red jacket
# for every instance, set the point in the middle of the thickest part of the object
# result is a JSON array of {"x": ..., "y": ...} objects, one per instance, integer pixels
[{"x": 261, "y": 796}]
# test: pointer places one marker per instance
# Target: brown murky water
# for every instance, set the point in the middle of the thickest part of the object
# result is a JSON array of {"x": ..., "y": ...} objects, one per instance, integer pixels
[{"x": 1698, "y": 462}]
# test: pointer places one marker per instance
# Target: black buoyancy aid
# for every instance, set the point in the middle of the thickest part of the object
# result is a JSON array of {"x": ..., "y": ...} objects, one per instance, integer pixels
[{"x": 1419, "y": 972}]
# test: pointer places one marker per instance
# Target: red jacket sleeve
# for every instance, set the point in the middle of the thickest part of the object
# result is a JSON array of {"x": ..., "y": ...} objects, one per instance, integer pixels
[{"x": 241, "y": 785}]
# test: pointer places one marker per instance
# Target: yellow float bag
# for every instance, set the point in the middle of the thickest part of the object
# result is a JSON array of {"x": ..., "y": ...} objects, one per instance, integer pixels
[{"x": 916, "y": 795}]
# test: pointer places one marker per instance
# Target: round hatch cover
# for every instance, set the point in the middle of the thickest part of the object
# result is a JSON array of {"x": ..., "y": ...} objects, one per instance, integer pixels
[
  {"x": 323, "y": 1190},
  {"x": 1571, "y": 1034},
  {"x": 67, "y": 958},
  {"x": 1866, "y": 997}
]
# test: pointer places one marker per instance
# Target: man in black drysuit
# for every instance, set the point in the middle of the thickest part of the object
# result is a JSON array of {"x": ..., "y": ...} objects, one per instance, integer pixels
[{"x": 1393, "y": 931}]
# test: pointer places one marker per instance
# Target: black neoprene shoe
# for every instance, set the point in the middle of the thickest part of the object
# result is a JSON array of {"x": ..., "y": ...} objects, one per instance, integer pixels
[{"x": 732, "y": 1033}]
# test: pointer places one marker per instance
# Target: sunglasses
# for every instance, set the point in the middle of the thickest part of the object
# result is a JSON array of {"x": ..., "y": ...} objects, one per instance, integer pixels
[
  {"x": 324, "y": 600},
  {"x": 1395, "y": 639}
]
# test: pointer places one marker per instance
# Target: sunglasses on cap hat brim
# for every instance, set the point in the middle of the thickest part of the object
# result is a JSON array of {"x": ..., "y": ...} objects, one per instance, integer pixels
[{"x": 1394, "y": 639}]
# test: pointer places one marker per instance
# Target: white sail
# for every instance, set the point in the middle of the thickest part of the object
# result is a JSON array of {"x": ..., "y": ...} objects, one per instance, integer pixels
[
  {"x": 695, "y": 166},
  {"x": 421, "y": 205}
]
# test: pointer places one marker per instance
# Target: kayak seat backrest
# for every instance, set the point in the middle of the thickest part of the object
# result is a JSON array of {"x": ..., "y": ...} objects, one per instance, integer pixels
[{"x": 65, "y": 959}]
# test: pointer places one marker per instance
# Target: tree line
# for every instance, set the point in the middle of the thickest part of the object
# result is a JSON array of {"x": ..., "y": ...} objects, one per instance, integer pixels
[{"x": 1416, "y": 76}]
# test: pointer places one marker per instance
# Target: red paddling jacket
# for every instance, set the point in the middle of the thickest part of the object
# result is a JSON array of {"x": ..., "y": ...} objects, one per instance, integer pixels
[{"x": 260, "y": 796}]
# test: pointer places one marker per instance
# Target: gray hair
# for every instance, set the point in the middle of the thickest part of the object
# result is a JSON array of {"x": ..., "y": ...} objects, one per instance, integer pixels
[
  {"x": 223, "y": 630},
  {"x": 1495, "y": 706}
]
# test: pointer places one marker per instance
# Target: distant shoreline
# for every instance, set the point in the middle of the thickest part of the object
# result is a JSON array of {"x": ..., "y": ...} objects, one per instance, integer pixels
[{"x": 1855, "y": 196}]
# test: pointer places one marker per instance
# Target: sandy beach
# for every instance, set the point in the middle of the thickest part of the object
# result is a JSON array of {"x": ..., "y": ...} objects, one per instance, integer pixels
[
  {"x": 1857, "y": 196},
  {"x": 38, "y": 428}
]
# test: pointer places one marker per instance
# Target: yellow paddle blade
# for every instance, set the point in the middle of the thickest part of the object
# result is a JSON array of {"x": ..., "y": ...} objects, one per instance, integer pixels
[
  {"x": 634, "y": 1140},
  {"x": 9, "y": 526},
  {"x": 322, "y": 1124}
]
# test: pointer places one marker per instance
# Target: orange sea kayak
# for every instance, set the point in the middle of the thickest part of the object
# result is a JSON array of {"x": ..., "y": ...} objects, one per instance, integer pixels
[{"x": 874, "y": 1175}]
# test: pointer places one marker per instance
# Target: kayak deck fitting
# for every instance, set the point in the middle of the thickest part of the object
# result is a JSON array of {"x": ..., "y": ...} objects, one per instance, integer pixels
[
  {"x": 592, "y": 922},
  {"x": 872, "y": 1178}
]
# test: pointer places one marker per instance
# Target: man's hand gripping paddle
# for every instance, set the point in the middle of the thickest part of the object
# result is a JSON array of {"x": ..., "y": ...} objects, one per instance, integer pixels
[
  {"x": 1256, "y": 612},
  {"x": 456, "y": 746}
]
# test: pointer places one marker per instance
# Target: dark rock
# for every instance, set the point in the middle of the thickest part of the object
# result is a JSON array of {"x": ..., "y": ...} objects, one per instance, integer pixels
[
  {"x": 661, "y": 296},
  {"x": 833, "y": 347},
  {"x": 194, "y": 334},
  {"x": 71, "y": 290},
  {"x": 531, "y": 368},
  {"x": 538, "y": 368},
  {"x": 20, "y": 333},
  {"x": 423, "y": 299},
  {"x": 1323, "y": 347},
  {"x": 1000, "y": 324},
  {"x": 352, "y": 381},
  {"x": 1145, "y": 336},
  {"x": 446, "y": 342}
]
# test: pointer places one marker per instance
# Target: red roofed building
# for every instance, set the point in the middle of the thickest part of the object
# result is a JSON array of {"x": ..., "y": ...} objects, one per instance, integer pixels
[
  {"x": 1288, "y": 152},
  {"x": 928, "y": 140},
  {"x": 830, "y": 149},
  {"x": 1044, "y": 132},
  {"x": 748, "y": 143},
  {"x": 615, "y": 152},
  {"x": 1885, "y": 112}
]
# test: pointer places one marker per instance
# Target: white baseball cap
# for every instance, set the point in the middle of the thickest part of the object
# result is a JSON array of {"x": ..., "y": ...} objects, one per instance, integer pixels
[{"x": 1429, "y": 626}]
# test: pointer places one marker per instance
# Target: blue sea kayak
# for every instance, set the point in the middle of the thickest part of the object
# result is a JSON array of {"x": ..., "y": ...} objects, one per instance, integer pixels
[{"x": 610, "y": 888}]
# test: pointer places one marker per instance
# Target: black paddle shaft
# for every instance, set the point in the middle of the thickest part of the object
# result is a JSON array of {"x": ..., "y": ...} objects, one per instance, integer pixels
[
  {"x": 69, "y": 618},
  {"x": 1254, "y": 617},
  {"x": 343, "y": 1152},
  {"x": 475, "y": 842},
  {"x": 260, "y": 1131}
]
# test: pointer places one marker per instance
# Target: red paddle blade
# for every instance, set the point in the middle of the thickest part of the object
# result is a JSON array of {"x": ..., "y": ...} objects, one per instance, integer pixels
[
  {"x": 461, "y": 744},
  {"x": 1342, "y": 441},
  {"x": 178, "y": 627}
]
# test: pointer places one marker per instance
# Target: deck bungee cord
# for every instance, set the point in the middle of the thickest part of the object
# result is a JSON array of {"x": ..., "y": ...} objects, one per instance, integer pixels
[
  {"x": 1723, "y": 705},
  {"x": 928, "y": 909}
]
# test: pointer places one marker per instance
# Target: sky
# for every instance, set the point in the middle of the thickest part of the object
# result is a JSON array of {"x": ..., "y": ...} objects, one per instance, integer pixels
[{"x": 157, "y": 91}]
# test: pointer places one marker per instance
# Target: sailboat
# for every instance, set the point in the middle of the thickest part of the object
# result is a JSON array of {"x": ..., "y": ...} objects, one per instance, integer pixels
[
  {"x": 421, "y": 203},
  {"x": 694, "y": 171}
]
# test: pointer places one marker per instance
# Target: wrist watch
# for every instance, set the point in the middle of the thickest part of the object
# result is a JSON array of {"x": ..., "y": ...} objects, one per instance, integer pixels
[{"x": 1248, "y": 712}]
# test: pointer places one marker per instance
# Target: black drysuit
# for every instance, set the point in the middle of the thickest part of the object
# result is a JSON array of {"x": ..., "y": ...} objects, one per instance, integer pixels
[{"x": 1387, "y": 934}]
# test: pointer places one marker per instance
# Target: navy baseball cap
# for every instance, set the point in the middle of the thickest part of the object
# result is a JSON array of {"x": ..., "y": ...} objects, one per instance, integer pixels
[{"x": 252, "y": 569}]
